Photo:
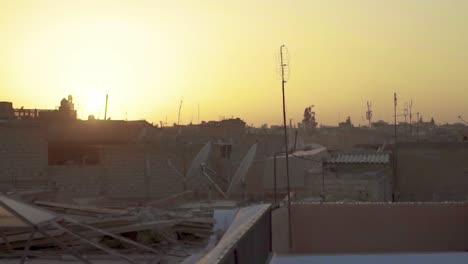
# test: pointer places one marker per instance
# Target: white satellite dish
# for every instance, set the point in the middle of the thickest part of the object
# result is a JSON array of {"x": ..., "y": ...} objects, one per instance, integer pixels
[
  {"x": 200, "y": 158},
  {"x": 239, "y": 176}
]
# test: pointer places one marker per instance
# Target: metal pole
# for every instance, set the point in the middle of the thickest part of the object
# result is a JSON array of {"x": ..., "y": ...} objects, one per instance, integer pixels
[
  {"x": 283, "y": 82},
  {"x": 323, "y": 183},
  {"x": 417, "y": 127},
  {"x": 274, "y": 176},
  {"x": 395, "y": 154},
  {"x": 105, "y": 110},
  {"x": 295, "y": 140}
]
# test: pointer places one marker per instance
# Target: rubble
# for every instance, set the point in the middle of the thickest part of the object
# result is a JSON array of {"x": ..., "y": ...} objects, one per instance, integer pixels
[{"x": 57, "y": 231}]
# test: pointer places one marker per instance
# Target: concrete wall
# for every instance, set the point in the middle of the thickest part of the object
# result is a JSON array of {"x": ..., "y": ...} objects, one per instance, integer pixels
[
  {"x": 358, "y": 182},
  {"x": 373, "y": 228},
  {"x": 431, "y": 171},
  {"x": 23, "y": 155},
  {"x": 346, "y": 138},
  {"x": 77, "y": 181},
  {"x": 280, "y": 230},
  {"x": 126, "y": 170}
]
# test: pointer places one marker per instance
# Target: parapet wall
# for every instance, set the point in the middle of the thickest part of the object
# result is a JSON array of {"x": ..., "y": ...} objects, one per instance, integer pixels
[{"x": 378, "y": 227}]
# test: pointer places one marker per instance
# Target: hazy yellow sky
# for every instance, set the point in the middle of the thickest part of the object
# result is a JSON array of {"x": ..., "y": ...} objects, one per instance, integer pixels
[{"x": 222, "y": 56}]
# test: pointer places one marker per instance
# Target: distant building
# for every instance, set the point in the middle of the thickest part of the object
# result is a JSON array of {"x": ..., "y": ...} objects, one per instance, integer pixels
[
  {"x": 6, "y": 111},
  {"x": 65, "y": 112},
  {"x": 346, "y": 124}
]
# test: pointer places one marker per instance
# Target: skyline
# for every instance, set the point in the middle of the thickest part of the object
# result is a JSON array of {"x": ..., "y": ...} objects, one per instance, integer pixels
[{"x": 221, "y": 56}]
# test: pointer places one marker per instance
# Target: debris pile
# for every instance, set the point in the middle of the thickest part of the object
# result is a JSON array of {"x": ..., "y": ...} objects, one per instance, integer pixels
[{"x": 49, "y": 230}]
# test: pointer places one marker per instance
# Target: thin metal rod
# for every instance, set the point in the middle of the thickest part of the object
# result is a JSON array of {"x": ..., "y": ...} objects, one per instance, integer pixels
[
  {"x": 295, "y": 140},
  {"x": 274, "y": 176},
  {"x": 94, "y": 244},
  {"x": 417, "y": 127},
  {"x": 283, "y": 82},
  {"x": 395, "y": 153},
  {"x": 38, "y": 229},
  {"x": 180, "y": 108},
  {"x": 118, "y": 237},
  {"x": 63, "y": 247},
  {"x": 225, "y": 195},
  {"x": 6, "y": 241},
  {"x": 323, "y": 183},
  {"x": 26, "y": 247},
  {"x": 105, "y": 110}
]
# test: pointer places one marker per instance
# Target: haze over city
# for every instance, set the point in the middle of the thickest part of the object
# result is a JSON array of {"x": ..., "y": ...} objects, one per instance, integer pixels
[
  {"x": 147, "y": 55},
  {"x": 233, "y": 131}
]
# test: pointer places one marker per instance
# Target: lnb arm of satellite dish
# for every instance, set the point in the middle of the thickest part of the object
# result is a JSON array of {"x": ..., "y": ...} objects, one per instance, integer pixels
[
  {"x": 169, "y": 162},
  {"x": 213, "y": 183}
]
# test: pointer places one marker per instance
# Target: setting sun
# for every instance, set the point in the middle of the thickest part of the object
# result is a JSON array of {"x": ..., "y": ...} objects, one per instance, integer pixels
[{"x": 147, "y": 58}]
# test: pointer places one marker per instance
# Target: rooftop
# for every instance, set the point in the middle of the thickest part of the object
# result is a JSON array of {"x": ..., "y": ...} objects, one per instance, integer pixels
[{"x": 360, "y": 158}]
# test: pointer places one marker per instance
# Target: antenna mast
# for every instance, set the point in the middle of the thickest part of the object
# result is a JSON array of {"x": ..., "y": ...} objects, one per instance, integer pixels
[
  {"x": 405, "y": 114},
  {"x": 284, "y": 67},
  {"x": 411, "y": 117},
  {"x": 180, "y": 108},
  {"x": 105, "y": 110},
  {"x": 395, "y": 155},
  {"x": 369, "y": 113}
]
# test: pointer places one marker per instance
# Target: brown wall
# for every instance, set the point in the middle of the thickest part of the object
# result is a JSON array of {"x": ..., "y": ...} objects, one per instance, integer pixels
[
  {"x": 23, "y": 155},
  {"x": 279, "y": 230},
  {"x": 433, "y": 171},
  {"x": 407, "y": 227}
]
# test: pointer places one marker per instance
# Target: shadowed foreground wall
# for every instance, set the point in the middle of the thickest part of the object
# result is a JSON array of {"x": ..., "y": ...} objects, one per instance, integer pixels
[
  {"x": 433, "y": 171},
  {"x": 373, "y": 228}
]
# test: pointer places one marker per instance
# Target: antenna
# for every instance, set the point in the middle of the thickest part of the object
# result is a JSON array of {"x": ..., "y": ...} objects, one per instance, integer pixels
[
  {"x": 411, "y": 116},
  {"x": 417, "y": 126},
  {"x": 405, "y": 114},
  {"x": 105, "y": 109},
  {"x": 395, "y": 184},
  {"x": 369, "y": 113},
  {"x": 198, "y": 119},
  {"x": 241, "y": 173},
  {"x": 284, "y": 63},
  {"x": 463, "y": 120},
  {"x": 180, "y": 108}
]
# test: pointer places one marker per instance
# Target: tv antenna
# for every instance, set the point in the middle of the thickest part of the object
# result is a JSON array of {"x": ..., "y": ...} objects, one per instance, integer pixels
[
  {"x": 105, "y": 109},
  {"x": 369, "y": 113},
  {"x": 180, "y": 108},
  {"x": 410, "y": 107},
  {"x": 463, "y": 120},
  {"x": 284, "y": 65},
  {"x": 405, "y": 114}
]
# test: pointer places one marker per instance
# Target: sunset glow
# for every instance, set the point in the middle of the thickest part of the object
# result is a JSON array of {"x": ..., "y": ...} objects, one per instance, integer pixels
[{"x": 148, "y": 54}]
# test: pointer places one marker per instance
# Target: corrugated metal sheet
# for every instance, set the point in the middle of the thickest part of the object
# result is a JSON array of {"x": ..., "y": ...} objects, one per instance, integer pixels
[{"x": 373, "y": 157}]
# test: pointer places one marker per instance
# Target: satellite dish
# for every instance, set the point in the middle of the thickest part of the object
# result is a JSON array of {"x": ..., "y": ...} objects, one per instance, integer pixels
[
  {"x": 239, "y": 176},
  {"x": 199, "y": 159}
]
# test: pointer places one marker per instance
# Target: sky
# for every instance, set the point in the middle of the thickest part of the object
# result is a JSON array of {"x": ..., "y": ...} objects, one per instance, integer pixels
[{"x": 221, "y": 58}]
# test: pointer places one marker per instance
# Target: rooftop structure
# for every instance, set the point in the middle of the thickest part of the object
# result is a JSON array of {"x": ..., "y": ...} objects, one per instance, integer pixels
[{"x": 367, "y": 157}]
